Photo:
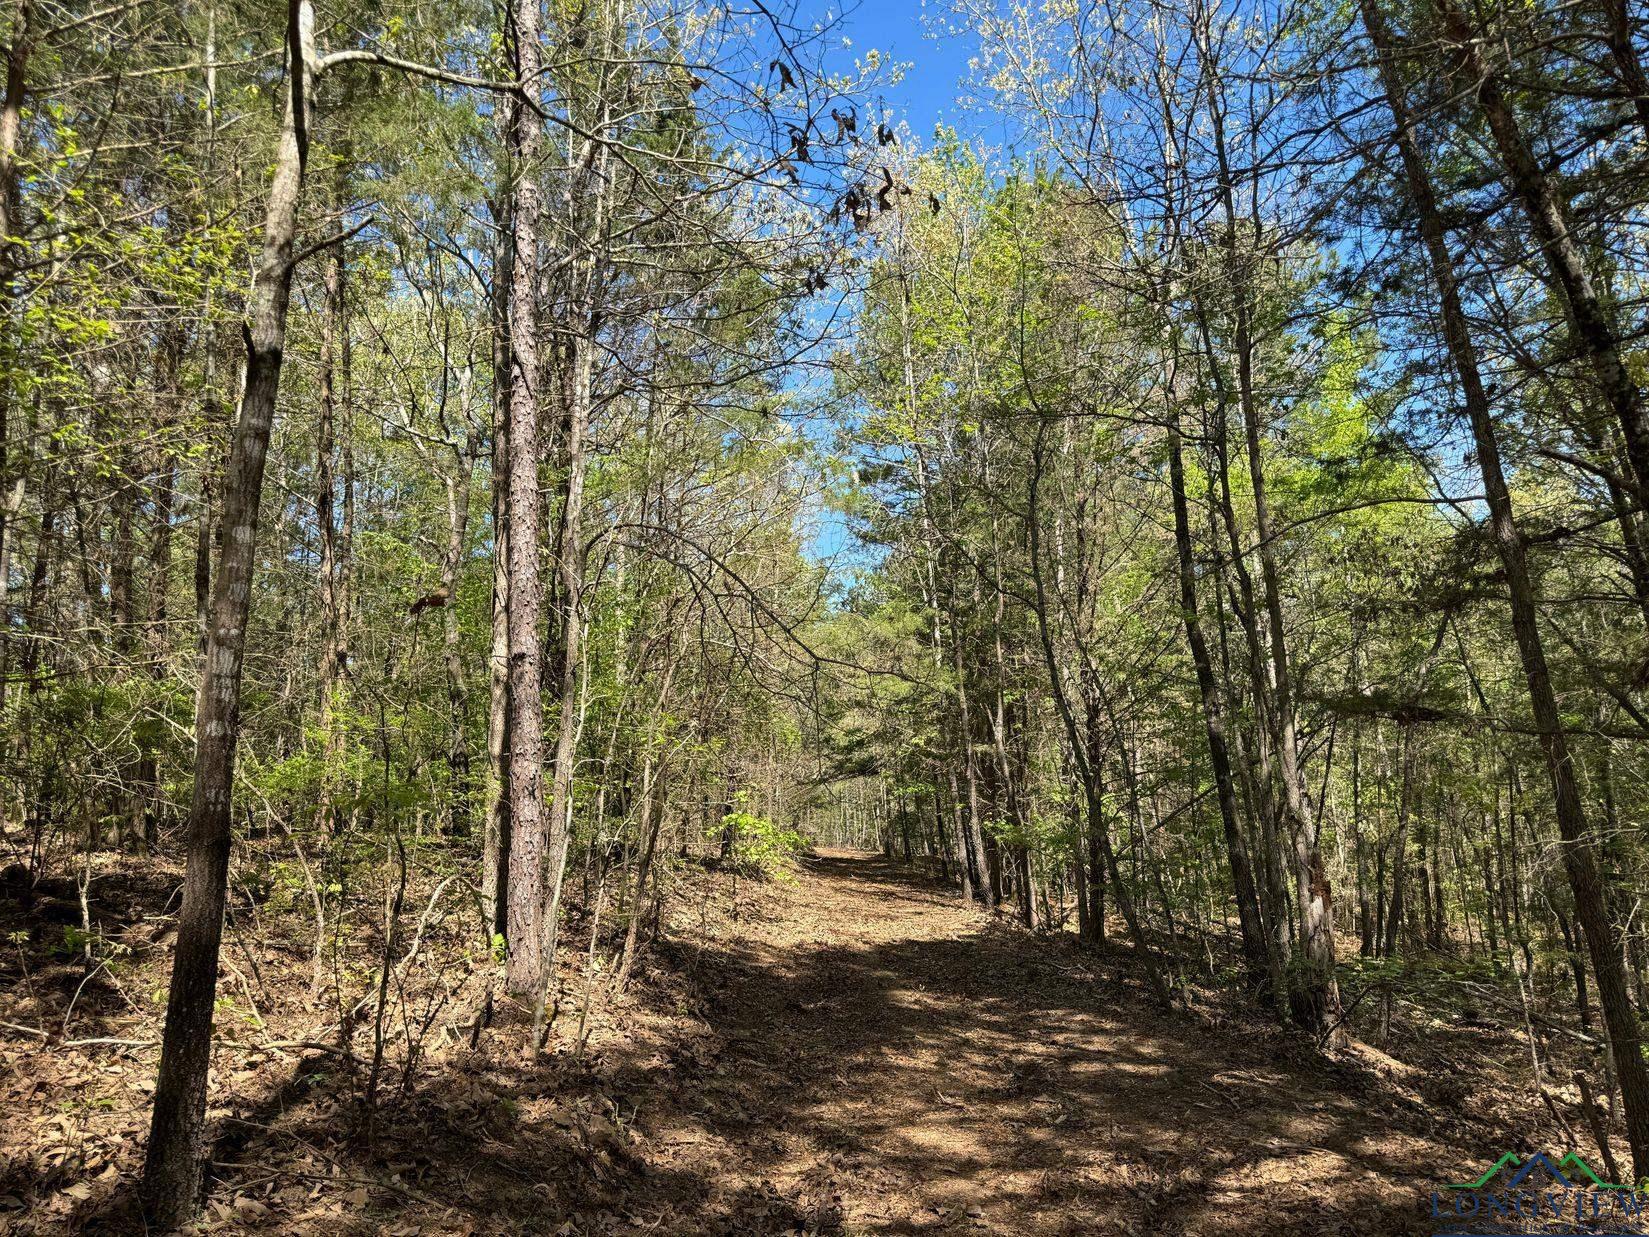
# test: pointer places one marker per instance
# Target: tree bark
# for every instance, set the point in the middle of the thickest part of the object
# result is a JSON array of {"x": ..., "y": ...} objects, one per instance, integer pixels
[
  {"x": 496, "y": 842},
  {"x": 1263, "y": 968},
  {"x": 1400, "y": 845},
  {"x": 525, "y": 971},
  {"x": 567, "y": 653},
  {"x": 334, "y": 350},
  {"x": 457, "y": 483},
  {"x": 11, "y": 126},
  {"x": 11, "y": 122},
  {"x": 1579, "y": 855},
  {"x": 567, "y": 619},
  {"x": 177, "y": 1137}
]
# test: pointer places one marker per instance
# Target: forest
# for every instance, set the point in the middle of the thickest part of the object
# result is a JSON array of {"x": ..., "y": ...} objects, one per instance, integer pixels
[{"x": 627, "y": 616}]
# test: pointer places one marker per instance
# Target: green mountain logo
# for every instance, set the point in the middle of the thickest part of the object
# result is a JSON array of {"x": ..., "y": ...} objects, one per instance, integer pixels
[
  {"x": 1581, "y": 1171},
  {"x": 1571, "y": 1172}
]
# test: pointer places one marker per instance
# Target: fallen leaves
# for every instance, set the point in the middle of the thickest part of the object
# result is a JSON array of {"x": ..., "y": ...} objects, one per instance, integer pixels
[{"x": 735, "y": 1101}]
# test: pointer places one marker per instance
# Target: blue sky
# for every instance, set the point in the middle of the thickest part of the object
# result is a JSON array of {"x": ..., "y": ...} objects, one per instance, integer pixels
[
  {"x": 901, "y": 30},
  {"x": 932, "y": 70}
]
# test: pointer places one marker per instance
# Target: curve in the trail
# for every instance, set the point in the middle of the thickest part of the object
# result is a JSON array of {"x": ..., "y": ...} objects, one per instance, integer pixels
[{"x": 880, "y": 1059}]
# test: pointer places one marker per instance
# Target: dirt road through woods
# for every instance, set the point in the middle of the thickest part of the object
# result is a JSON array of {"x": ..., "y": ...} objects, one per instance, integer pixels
[
  {"x": 886, "y": 1061},
  {"x": 849, "y": 1053}
]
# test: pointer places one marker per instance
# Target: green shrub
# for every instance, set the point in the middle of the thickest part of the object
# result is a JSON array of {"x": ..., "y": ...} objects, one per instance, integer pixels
[{"x": 757, "y": 847}]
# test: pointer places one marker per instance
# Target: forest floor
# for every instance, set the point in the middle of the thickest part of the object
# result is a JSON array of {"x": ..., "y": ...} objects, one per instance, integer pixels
[{"x": 850, "y": 1052}]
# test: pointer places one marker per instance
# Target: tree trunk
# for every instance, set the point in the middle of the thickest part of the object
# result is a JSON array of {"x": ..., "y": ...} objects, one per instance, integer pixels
[
  {"x": 333, "y": 363},
  {"x": 567, "y": 651},
  {"x": 177, "y": 1137},
  {"x": 11, "y": 121},
  {"x": 1087, "y": 767},
  {"x": 1400, "y": 846},
  {"x": 1579, "y": 856},
  {"x": 11, "y": 128},
  {"x": 973, "y": 839},
  {"x": 1577, "y": 969},
  {"x": 525, "y": 969},
  {"x": 1314, "y": 992},
  {"x": 1263, "y": 968},
  {"x": 495, "y": 845},
  {"x": 452, "y": 562}
]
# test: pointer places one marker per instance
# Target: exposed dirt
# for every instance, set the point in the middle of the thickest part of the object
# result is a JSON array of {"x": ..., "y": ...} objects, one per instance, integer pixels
[
  {"x": 899, "y": 1064},
  {"x": 853, "y": 1052}
]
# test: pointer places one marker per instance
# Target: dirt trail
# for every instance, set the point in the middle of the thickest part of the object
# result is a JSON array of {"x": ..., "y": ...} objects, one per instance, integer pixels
[
  {"x": 850, "y": 1053},
  {"x": 886, "y": 1061}
]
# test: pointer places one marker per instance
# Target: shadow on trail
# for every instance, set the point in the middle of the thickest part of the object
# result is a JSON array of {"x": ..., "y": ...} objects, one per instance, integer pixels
[
  {"x": 881, "y": 1061},
  {"x": 874, "y": 872},
  {"x": 987, "y": 1080}
]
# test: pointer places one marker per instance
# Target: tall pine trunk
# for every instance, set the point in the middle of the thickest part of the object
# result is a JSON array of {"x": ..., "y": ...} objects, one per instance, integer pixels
[
  {"x": 525, "y": 971},
  {"x": 1579, "y": 853}
]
